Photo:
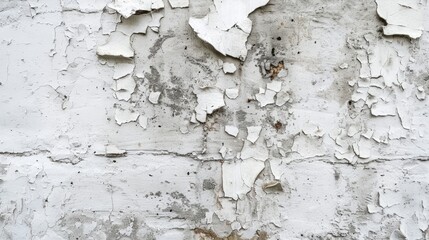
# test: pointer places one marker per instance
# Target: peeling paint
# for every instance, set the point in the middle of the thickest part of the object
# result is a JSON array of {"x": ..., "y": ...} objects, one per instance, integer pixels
[
  {"x": 227, "y": 27},
  {"x": 224, "y": 119},
  {"x": 402, "y": 17}
]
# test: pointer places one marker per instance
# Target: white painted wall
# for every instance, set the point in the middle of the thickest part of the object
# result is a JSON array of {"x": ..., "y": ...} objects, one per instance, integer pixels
[{"x": 214, "y": 120}]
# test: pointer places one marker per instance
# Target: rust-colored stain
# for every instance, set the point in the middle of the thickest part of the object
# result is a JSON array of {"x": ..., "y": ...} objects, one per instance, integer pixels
[
  {"x": 278, "y": 125},
  {"x": 275, "y": 70}
]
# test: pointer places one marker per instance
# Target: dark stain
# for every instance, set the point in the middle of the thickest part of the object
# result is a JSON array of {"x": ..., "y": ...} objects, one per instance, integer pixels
[
  {"x": 177, "y": 100},
  {"x": 275, "y": 69},
  {"x": 153, "y": 77},
  {"x": 209, "y": 184},
  {"x": 241, "y": 116},
  {"x": 210, "y": 234},
  {"x": 278, "y": 125},
  {"x": 199, "y": 62},
  {"x": 158, "y": 44},
  {"x": 337, "y": 175},
  {"x": 272, "y": 187}
]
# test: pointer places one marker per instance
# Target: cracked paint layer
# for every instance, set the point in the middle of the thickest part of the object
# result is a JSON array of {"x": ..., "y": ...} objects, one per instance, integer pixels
[
  {"x": 209, "y": 100},
  {"x": 116, "y": 46},
  {"x": 402, "y": 17},
  {"x": 227, "y": 26},
  {"x": 224, "y": 119},
  {"x": 128, "y": 8}
]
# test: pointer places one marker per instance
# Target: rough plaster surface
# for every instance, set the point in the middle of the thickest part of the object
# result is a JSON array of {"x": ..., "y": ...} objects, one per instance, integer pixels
[{"x": 214, "y": 120}]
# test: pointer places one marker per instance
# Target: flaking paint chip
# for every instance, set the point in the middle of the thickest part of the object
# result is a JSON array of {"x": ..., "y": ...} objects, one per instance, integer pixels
[
  {"x": 226, "y": 153},
  {"x": 143, "y": 121},
  {"x": 275, "y": 86},
  {"x": 114, "y": 151},
  {"x": 229, "y": 67},
  {"x": 231, "y": 130},
  {"x": 154, "y": 97},
  {"x": 265, "y": 97},
  {"x": 124, "y": 88},
  {"x": 282, "y": 98},
  {"x": 227, "y": 27},
  {"x": 231, "y": 93},
  {"x": 111, "y": 151},
  {"x": 254, "y": 151},
  {"x": 344, "y": 66},
  {"x": 127, "y": 8},
  {"x": 125, "y": 116},
  {"x": 402, "y": 17},
  {"x": 253, "y": 133},
  {"x": 179, "y": 3},
  {"x": 209, "y": 100},
  {"x": 238, "y": 177},
  {"x": 122, "y": 69},
  {"x": 118, "y": 45},
  {"x": 140, "y": 23},
  {"x": 421, "y": 95}
]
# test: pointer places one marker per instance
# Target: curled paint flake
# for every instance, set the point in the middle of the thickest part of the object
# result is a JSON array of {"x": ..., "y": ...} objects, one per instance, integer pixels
[
  {"x": 111, "y": 150},
  {"x": 124, "y": 88},
  {"x": 127, "y": 8},
  {"x": 209, "y": 100},
  {"x": 118, "y": 45},
  {"x": 114, "y": 151},
  {"x": 226, "y": 153},
  {"x": 265, "y": 97},
  {"x": 253, "y": 133},
  {"x": 275, "y": 86},
  {"x": 143, "y": 121},
  {"x": 125, "y": 116},
  {"x": 231, "y": 93},
  {"x": 231, "y": 130},
  {"x": 154, "y": 97},
  {"x": 344, "y": 66},
  {"x": 228, "y": 26},
  {"x": 381, "y": 109},
  {"x": 229, "y": 68},
  {"x": 238, "y": 177},
  {"x": 402, "y": 17},
  {"x": 363, "y": 148},
  {"x": 421, "y": 95},
  {"x": 255, "y": 151},
  {"x": 404, "y": 115},
  {"x": 122, "y": 69},
  {"x": 140, "y": 23},
  {"x": 282, "y": 98}
]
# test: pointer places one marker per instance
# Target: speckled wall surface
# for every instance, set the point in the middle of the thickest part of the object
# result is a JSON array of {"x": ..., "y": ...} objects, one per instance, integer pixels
[{"x": 224, "y": 119}]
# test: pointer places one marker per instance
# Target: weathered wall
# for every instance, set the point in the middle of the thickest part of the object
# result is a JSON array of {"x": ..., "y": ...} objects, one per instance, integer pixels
[{"x": 226, "y": 119}]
